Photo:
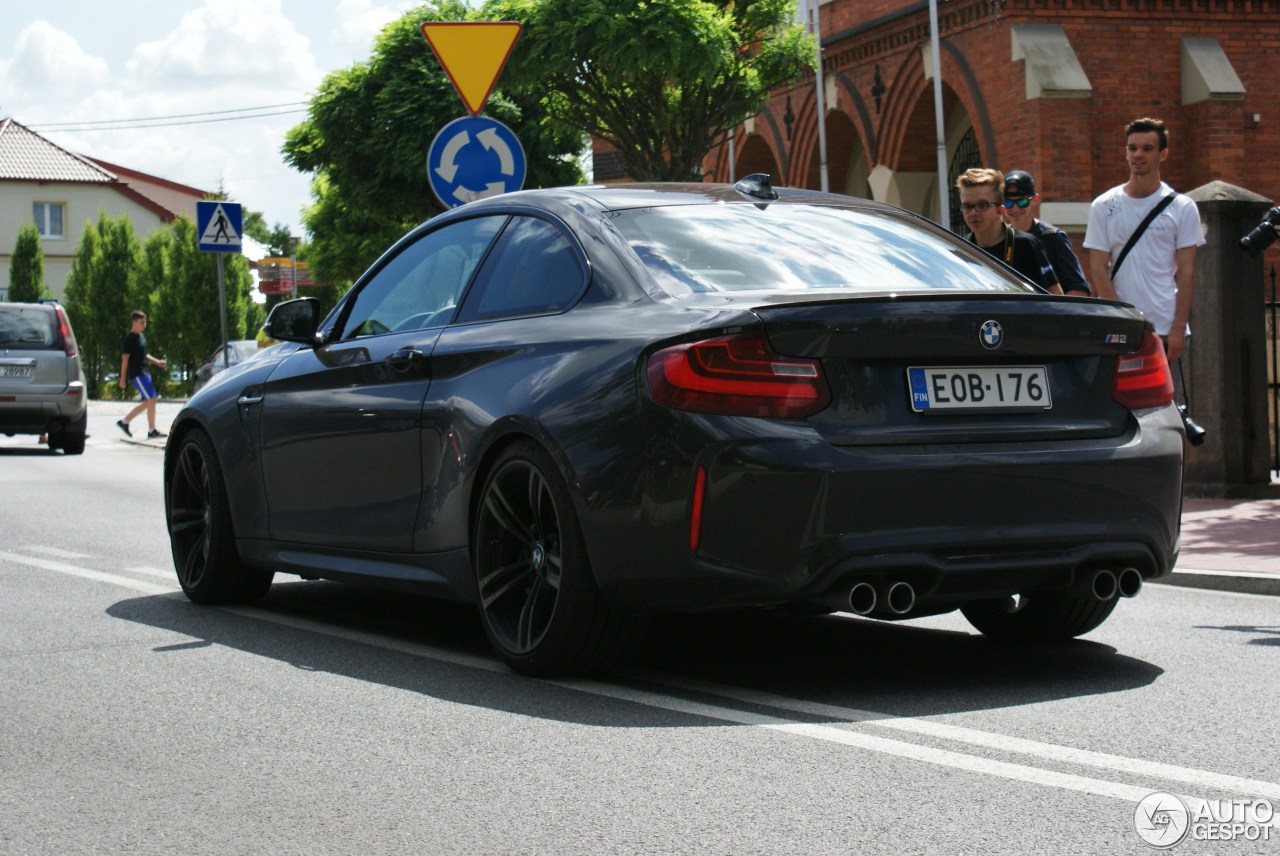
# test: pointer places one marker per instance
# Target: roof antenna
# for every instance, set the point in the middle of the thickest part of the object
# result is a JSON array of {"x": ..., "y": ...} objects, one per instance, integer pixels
[{"x": 757, "y": 186}]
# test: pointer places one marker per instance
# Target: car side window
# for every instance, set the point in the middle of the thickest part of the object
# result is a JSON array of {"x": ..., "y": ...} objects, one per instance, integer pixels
[
  {"x": 533, "y": 269},
  {"x": 421, "y": 286}
]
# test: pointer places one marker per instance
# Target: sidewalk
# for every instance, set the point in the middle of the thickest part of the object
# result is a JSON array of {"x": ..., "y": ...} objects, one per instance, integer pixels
[{"x": 1231, "y": 545}]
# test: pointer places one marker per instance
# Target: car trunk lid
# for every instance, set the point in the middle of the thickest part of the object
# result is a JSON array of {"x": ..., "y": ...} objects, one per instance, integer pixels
[{"x": 961, "y": 369}]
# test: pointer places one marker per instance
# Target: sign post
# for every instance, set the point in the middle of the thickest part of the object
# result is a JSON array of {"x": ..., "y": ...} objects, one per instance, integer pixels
[{"x": 219, "y": 226}]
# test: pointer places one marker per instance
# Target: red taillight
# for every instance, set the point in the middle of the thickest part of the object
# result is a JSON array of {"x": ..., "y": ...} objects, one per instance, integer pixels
[
  {"x": 1142, "y": 378},
  {"x": 64, "y": 328},
  {"x": 736, "y": 375}
]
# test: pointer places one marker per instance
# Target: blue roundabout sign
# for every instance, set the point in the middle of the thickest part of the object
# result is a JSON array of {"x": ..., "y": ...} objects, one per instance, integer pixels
[{"x": 473, "y": 158}]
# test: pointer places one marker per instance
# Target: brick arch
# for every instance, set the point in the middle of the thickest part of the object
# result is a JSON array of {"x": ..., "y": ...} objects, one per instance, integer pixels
[
  {"x": 908, "y": 135},
  {"x": 845, "y": 142},
  {"x": 755, "y": 155}
]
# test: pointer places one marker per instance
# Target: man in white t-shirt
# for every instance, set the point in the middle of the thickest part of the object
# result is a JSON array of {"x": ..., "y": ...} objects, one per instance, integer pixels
[{"x": 1158, "y": 274}]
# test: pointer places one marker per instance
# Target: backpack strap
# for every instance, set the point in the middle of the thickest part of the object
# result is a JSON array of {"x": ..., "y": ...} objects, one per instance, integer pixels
[{"x": 1137, "y": 233}]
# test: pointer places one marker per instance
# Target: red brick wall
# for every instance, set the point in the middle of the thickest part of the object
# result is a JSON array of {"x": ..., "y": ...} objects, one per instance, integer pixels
[{"x": 1129, "y": 49}]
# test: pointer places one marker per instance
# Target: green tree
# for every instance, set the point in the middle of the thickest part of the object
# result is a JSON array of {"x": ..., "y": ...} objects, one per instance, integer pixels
[
  {"x": 274, "y": 239},
  {"x": 662, "y": 82},
  {"x": 79, "y": 310},
  {"x": 26, "y": 267},
  {"x": 99, "y": 289},
  {"x": 188, "y": 324},
  {"x": 112, "y": 285},
  {"x": 366, "y": 137}
]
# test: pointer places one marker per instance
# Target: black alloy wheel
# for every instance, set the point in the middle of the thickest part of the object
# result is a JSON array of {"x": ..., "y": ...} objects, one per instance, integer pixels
[
  {"x": 539, "y": 602},
  {"x": 1038, "y": 616},
  {"x": 201, "y": 534}
]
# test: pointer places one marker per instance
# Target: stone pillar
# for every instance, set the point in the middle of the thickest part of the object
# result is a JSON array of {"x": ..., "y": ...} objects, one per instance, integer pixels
[{"x": 1226, "y": 373}]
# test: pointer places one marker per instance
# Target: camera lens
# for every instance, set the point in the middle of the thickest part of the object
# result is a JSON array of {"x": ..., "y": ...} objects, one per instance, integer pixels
[{"x": 1263, "y": 234}]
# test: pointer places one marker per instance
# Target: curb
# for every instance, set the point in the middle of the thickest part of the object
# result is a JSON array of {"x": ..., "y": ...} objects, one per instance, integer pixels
[
  {"x": 157, "y": 443},
  {"x": 1233, "y": 581}
]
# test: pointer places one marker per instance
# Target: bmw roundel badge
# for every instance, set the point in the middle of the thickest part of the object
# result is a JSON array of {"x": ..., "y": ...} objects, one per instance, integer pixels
[{"x": 990, "y": 334}]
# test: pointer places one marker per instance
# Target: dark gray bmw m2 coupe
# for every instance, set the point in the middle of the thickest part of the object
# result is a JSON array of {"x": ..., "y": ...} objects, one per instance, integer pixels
[{"x": 580, "y": 407}]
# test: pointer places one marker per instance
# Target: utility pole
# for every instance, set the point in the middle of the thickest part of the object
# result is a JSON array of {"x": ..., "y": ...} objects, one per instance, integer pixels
[{"x": 944, "y": 188}]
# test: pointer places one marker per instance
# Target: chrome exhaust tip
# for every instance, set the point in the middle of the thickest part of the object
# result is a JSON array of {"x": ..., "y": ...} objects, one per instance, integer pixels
[
  {"x": 1129, "y": 582},
  {"x": 901, "y": 598},
  {"x": 862, "y": 598},
  {"x": 1104, "y": 585}
]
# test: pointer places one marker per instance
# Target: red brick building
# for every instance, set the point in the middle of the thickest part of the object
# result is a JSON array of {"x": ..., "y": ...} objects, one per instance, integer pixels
[{"x": 1041, "y": 85}]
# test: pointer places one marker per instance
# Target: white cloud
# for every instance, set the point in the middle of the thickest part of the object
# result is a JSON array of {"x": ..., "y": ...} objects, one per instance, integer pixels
[
  {"x": 227, "y": 43},
  {"x": 171, "y": 57},
  {"x": 359, "y": 23},
  {"x": 45, "y": 59}
]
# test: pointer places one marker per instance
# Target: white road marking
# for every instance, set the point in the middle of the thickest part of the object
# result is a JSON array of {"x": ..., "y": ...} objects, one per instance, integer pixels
[
  {"x": 842, "y": 733},
  {"x": 88, "y": 574},
  {"x": 985, "y": 739},
  {"x": 162, "y": 573},
  {"x": 837, "y": 733},
  {"x": 55, "y": 551}
]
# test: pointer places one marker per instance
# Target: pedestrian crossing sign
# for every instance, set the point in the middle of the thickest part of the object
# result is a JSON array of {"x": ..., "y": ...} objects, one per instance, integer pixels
[{"x": 218, "y": 225}]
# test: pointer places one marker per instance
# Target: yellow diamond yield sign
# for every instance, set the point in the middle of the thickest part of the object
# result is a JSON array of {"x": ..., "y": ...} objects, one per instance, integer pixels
[{"x": 472, "y": 54}]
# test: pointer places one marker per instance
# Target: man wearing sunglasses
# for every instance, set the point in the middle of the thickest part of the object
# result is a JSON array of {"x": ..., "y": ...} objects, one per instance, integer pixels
[
  {"x": 1021, "y": 205},
  {"x": 981, "y": 196}
]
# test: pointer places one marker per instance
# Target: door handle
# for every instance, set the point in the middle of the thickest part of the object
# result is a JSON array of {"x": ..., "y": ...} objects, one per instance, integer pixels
[
  {"x": 252, "y": 395},
  {"x": 405, "y": 359}
]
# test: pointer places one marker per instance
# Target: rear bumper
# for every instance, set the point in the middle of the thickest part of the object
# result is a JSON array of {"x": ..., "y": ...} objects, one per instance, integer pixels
[
  {"x": 41, "y": 414},
  {"x": 792, "y": 518}
]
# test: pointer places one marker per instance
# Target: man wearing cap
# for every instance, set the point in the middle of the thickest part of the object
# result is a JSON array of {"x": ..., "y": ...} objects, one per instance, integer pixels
[
  {"x": 981, "y": 193},
  {"x": 1021, "y": 204}
]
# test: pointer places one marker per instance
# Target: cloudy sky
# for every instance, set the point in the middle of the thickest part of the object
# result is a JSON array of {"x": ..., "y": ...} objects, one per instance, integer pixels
[{"x": 67, "y": 67}]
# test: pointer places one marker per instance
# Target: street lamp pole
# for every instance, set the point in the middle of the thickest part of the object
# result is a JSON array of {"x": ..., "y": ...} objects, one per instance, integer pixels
[
  {"x": 293, "y": 264},
  {"x": 944, "y": 189}
]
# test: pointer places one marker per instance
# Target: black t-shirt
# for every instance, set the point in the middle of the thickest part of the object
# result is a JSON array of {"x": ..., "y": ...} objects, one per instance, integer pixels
[
  {"x": 1024, "y": 253},
  {"x": 135, "y": 345},
  {"x": 1057, "y": 246}
]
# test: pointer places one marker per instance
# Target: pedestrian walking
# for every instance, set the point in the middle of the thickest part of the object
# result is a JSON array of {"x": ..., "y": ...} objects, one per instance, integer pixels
[
  {"x": 981, "y": 200},
  {"x": 134, "y": 361},
  {"x": 1142, "y": 239},
  {"x": 1022, "y": 211}
]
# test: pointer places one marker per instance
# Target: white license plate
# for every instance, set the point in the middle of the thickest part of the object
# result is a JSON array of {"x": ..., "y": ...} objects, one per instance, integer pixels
[
  {"x": 15, "y": 371},
  {"x": 978, "y": 388}
]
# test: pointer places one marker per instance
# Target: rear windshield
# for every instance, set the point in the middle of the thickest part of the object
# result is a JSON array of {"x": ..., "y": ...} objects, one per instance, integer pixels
[
  {"x": 693, "y": 249},
  {"x": 28, "y": 328}
]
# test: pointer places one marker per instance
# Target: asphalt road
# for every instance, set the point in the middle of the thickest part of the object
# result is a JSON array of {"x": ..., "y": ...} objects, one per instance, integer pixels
[{"x": 336, "y": 719}]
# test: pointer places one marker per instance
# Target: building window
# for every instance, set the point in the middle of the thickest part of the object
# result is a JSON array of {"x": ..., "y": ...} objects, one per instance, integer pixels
[{"x": 49, "y": 218}]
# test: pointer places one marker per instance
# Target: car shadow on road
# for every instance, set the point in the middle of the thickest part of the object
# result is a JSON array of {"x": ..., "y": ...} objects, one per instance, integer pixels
[{"x": 438, "y": 649}]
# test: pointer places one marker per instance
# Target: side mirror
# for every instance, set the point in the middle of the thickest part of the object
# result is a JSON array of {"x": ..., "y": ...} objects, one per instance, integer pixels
[{"x": 294, "y": 320}]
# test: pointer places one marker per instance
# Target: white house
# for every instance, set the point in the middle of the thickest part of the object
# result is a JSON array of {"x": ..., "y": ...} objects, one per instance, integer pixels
[{"x": 62, "y": 191}]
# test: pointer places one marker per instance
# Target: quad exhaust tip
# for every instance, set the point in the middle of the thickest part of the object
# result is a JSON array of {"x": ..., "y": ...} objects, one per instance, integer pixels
[
  {"x": 1105, "y": 585},
  {"x": 901, "y": 598},
  {"x": 862, "y": 598},
  {"x": 1129, "y": 582}
]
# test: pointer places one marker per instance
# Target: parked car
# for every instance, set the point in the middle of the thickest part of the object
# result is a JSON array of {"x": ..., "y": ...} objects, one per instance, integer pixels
[
  {"x": 581, "y": 407},
  {"x": 238, "y": 350},
  {"x": 42, "y": 387}
]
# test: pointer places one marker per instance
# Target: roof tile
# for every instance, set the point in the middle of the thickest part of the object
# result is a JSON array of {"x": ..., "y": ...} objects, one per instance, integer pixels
[{"x": 27, "y": 156}]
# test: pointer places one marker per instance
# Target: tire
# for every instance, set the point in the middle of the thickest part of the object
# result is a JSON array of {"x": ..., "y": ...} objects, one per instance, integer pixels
[
  {"x": 73, "y": 443},
  {"x": 539, "y": 603},
  {"x": 1038, "y": 616},
  {"x": 201, "y": 533}
]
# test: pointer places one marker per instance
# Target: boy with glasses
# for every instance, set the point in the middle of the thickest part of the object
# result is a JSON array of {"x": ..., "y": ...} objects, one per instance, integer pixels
[
  {"x": 1021, "y": 205},
  {"x": 981, "y": 198}
]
